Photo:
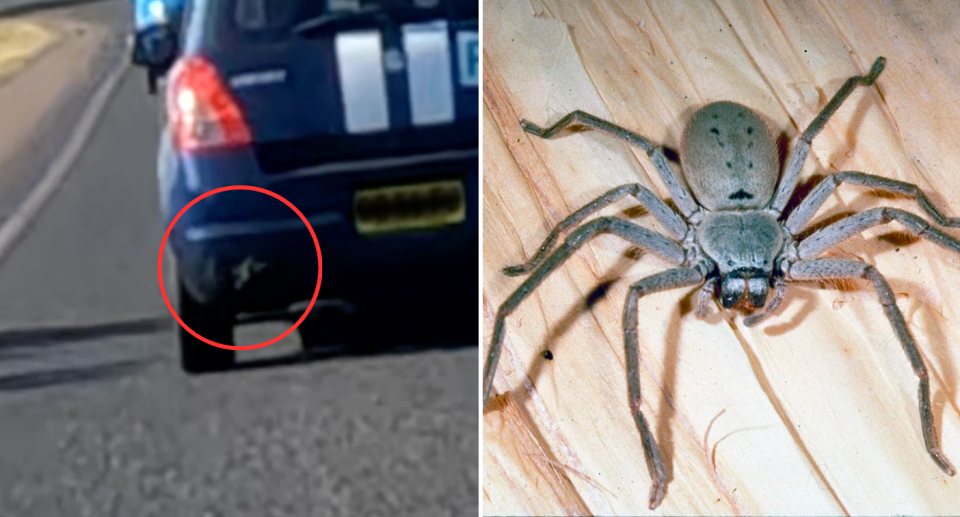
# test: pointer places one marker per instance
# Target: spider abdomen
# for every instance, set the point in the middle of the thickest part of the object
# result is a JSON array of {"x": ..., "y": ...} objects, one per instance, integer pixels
[{"x": 729, "y": 157}]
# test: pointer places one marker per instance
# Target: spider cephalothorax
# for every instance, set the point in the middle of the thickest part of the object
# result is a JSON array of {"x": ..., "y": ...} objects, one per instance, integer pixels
[
  {"x": 744, "y": 245},
  {"x": 728, "y": 234}
]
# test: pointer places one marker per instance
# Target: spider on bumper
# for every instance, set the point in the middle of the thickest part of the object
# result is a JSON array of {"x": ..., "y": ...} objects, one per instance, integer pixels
[{"x": 728, "y": 235}]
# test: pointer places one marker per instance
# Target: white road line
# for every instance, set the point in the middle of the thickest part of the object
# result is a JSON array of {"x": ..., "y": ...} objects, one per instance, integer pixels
[{"x": 17, "y": 225}]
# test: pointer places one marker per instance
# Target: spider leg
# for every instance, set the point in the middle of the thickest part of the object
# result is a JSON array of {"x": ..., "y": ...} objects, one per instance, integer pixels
[
  {"x": 792, "y": 170},
  {"x": 805, "y": 210},
  {"x": 844, "y": 228},
  {"x": 838, "y": 269},
  {"x": 583, "y": 118},
  {"x": 642, "y": 237},
  {"x": 704, "y": 297},
  {"x": 671, "y": 220},
  {"x": 681, "y": 195},
  {"x": 669, "y": 279},
  {"x": 780, "y": 291}
]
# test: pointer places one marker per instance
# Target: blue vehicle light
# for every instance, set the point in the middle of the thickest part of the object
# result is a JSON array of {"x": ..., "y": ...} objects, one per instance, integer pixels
[{"x": 149, "y": 13}]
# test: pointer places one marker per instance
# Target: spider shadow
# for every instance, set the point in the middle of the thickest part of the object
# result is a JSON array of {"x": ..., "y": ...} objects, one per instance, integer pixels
[
  {"x": 803, "y": 187},
  {"x": 521, "y": 396},
  {"x": 883, "y": 243},
  {"x": 948, "y": 372},
  {"x": 663, "y": 432},
  {"x": 930, "y": 328},
  {"x": 598, "y": 293},
  {"x": 806, "y": 293},
  {"x": 896, "y": 238},
  {"x": 934, "y": 335},
  {"x": 671, "y": 359},
  {"x": 804, "y": 296},
  {"x": 560, "y": 329},
  {"x": 859, "y": 113},
  {"x": 800, "y": 191}
]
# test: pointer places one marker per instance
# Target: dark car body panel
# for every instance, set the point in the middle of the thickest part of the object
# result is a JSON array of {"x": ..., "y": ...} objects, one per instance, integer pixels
[{"x": 287, "y": 88}]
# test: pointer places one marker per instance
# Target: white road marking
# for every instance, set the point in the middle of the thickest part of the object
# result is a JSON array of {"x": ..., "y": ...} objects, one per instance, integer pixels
[{"x": 16, "y": 226}]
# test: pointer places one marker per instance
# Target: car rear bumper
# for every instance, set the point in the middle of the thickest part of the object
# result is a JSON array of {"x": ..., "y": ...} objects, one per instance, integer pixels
[{"x": 251, "y": 252}]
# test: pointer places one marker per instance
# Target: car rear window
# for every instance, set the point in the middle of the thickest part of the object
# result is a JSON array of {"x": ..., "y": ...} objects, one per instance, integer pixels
[
  {"x": 282, "y": 16},
  {"x": 264, "y": 15}
]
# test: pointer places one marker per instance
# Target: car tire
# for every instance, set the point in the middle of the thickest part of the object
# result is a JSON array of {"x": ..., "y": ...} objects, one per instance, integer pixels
[
  {"x": 328, "y": 327},
  {"x": 152, "y": 79},
  {"x": 210, "y": 321}
]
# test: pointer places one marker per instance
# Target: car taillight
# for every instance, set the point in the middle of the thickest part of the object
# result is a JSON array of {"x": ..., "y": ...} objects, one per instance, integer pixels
[{"x": 202, "y": 112}]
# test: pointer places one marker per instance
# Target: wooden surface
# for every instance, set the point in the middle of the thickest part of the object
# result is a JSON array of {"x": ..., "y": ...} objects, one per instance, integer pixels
[{"x": 813, "y": 412}]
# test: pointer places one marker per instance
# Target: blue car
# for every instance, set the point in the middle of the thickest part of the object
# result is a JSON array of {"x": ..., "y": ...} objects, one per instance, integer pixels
[{"x": 364, "y": 115}]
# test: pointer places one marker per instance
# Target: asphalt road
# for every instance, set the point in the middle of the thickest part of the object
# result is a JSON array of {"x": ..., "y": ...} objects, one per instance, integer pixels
[{"x": 97, "y": 419}]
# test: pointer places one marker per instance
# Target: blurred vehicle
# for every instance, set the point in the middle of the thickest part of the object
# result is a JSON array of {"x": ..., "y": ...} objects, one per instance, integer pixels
[
  {"x": 155, "y": 37},
  {"x": 363, "y": 114}
]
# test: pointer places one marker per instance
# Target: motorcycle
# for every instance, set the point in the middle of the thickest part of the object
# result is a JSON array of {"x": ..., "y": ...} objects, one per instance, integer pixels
[{"x": 156, "y": 37}]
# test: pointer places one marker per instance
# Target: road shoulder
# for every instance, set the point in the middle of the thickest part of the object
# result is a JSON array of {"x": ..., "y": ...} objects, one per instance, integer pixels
[
  {"x": 44, "y": 99},
  {"x": 22, "y": 42}
]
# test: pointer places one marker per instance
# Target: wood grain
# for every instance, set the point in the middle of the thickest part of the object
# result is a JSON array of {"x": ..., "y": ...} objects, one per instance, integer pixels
[{"x": 813, "y": 412}]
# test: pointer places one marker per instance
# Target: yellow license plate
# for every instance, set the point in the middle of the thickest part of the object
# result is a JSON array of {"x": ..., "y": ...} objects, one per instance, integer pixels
[{"x": 409, "y": 207}]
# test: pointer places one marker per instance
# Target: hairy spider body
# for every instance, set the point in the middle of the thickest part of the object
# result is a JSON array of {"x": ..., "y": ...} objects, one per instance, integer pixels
[
  {"x": 728, "y": 235},
  {"x": 743, "y": 247}
]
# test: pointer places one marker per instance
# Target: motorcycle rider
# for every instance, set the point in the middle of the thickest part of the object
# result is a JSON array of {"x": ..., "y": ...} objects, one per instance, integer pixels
[{"x": 156, "y": 33}]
